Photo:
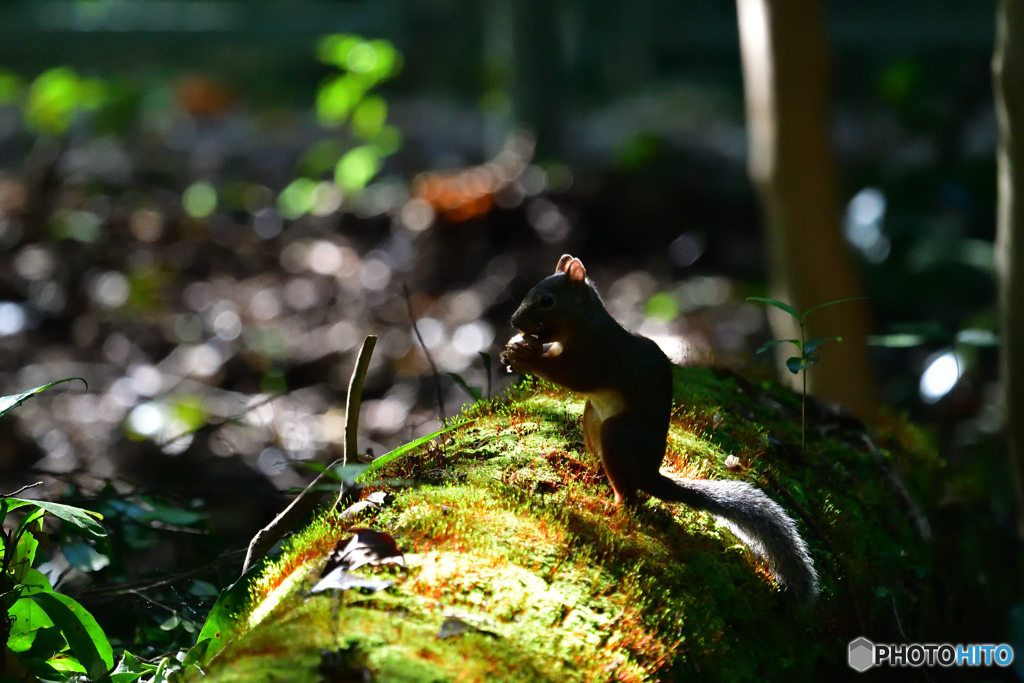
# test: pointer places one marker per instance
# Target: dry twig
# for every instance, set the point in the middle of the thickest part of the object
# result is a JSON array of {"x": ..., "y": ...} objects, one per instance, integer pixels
[{"x": 266, "y": 537}]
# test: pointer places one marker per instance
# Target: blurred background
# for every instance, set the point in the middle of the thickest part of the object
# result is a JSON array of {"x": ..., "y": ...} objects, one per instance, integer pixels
[{"x": 205, "y": 205}]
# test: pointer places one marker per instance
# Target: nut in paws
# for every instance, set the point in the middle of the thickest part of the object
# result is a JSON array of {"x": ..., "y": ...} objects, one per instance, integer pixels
[{"x": 520, "y": 352}]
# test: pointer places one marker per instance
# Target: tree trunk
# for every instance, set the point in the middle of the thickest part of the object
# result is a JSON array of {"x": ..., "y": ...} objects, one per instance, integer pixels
[
  {"x": 785, "y": 73},
  {"x": 1008, "y": 73}
]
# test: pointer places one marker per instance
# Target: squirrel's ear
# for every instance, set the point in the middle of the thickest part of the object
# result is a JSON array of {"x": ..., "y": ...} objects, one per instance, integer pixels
[
  {"x": 576, "y": 270},
  {"x": 563, "y": 263}
]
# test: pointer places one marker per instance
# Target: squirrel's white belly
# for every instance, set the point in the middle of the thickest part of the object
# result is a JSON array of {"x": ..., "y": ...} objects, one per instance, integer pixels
[{"x": 607, "y": 403}]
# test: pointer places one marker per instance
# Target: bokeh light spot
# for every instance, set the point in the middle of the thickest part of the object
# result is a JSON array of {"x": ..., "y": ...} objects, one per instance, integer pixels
[
  {"x": 199, "y": 200},
  {"x": 941, "y": 375},
  {"x": 12, "y": 318},
  {"x": 663, "y": 306}
]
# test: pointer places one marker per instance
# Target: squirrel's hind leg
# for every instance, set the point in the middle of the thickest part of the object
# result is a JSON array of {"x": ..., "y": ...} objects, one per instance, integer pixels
[
  {"x": 631, "y": 453},
  {"x": 592, "y": 430},
  {"x": 592, "y": 424}
]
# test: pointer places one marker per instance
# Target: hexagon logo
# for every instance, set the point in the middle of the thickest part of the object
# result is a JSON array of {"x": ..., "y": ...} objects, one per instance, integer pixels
[{"x": 861, "y": 654}]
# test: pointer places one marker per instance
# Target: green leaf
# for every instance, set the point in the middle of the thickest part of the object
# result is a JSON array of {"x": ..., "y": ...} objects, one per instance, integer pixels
[
  {"x": 21, "y": 642},
  {"x": 145, "y": 510},
  {"x": 171, "y": 623},
  {"x": 34, "y": 580},
  {"x": 475, "y": 392},
  {"x": 85, "y": 637},
  {"x": 127, "y": 677},
  {"x": 41, "y": 643},
  {"x": 777, "y": 304},
  {"x": 24, "y": 555},
  {"x": 66, "y": 663},
  {"x": 197, "y": 654},
  {"x": 203, "y": 589},
  {"x": 812, "y": 345},
  {"x": 79, "y": 517},
  {"x": 311, "y": 465},
  {"x": 167, "y": 670},
  {"x": 774, "y": 342},
  {"x": 130, "y": 669},
  {"x": 830, "y": 303},
  {"x": 52, "y": 670},
  {"x": 28, "y": 534},
  {"x": 27, "y": 618},
  {"x": 340, "y": 473},
  {"x": 9, "y": 403},
  {"x": 30, "y": 519},
  {"x": 402, "y": 450},
  {"x": 84, "y": 557},
  {"x": 798, "y": 363},
  {"x": 222, "y": 621}
]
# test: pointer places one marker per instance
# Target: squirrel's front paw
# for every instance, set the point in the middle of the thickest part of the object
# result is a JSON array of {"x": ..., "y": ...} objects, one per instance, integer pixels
[{"x": 521, "y": 352}]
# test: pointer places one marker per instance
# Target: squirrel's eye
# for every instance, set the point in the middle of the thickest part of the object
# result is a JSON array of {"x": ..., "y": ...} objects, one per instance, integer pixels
[{"x": 547, "y": 301}]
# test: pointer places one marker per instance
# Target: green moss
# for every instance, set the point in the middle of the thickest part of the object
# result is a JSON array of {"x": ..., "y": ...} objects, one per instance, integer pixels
[{"x": 521, "y": 537}]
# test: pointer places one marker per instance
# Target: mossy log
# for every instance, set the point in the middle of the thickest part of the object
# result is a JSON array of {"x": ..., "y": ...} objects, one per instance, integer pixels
[{"x": 510, "y": 536}]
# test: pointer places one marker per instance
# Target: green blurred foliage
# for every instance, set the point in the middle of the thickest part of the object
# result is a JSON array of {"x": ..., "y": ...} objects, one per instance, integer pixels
[
  {"x": 189, "y": 412},
  {"x": 346, "y": 98},
  {"x": 377, "y": 60},
  {"x": 663, "y": 306},
  {"x": 357, "y": 167},
  {"x": 900, "y": 82},
  {"x": 274, "y": 381},
  {"x": 10, "y": 87},
  {"x": 81, "y": 226},
  {"x": 57, "y": 96},
  {"x": 199, "y": 200},
  {"x": 337, "y": 97},
  {"x": 369, "y": 117},
  {"x": 296, "y": 199},
  {"x": 639, "y": 150},
  {"x": 321, "y": 158},
  {"x": 145, "y": 285},
  {"x": 53, "y": 100}
]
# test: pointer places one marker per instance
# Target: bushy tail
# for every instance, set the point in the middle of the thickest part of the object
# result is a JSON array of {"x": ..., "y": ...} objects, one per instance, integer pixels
[{"x": 756, "y": 519}]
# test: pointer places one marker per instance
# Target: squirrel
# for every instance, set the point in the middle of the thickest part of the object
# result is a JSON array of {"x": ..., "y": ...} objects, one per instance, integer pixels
[{"x": 569, "y": 338}]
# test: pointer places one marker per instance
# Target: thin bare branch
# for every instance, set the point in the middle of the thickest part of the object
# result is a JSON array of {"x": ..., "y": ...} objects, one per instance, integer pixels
[
  {"x": 26, "y": 487},
  {"x": 98, "y": 595},
  {"x": 233, "y": 418},
  {"x": 433, "y": 368},
  {"x": 266, "y": 537}
]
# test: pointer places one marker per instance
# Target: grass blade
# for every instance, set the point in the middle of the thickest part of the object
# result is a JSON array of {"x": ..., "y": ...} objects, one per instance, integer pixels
[
  {"x": 9, "y": 403},
  {"x": 402, "y": 450}
]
